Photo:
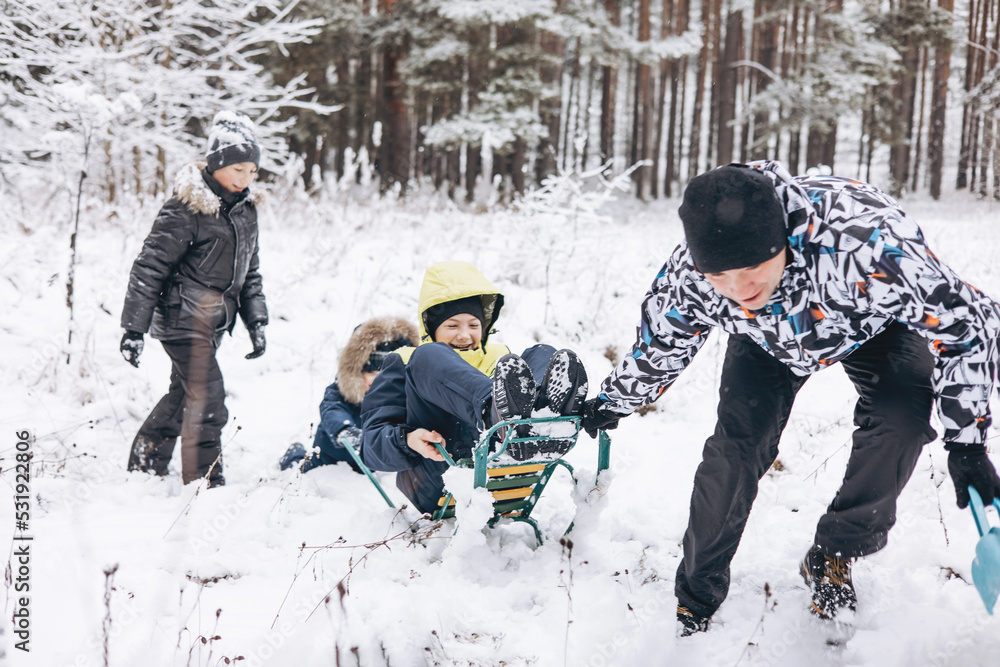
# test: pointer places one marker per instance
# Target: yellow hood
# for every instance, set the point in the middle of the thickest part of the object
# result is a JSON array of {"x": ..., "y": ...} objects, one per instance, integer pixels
[{"x": 448, "y": 281}]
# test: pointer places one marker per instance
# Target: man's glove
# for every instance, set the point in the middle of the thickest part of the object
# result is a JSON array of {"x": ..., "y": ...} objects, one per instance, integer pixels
[
  {"x": 257, "y": 338},
  {"x": 973, "y": 468},
  {"x": 349, "y": 436},
  {"x": 596, "y": 417},
  {"x": 131, "y": 347}
]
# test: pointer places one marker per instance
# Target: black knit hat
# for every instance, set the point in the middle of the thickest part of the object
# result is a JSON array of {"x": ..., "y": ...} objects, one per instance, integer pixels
[
  {"x": 377, "y": 358},
  {"x": 231, "y": 140},
  {"x": 732, "y": 219},
  {"x": 436, "y": 315}
]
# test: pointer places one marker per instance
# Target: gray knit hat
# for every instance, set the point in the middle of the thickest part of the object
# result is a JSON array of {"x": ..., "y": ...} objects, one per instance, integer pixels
[{"x": 231, "y": 140}]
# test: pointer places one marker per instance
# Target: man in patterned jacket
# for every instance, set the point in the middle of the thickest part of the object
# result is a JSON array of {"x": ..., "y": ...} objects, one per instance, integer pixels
[{"x": 803, "y": 273}]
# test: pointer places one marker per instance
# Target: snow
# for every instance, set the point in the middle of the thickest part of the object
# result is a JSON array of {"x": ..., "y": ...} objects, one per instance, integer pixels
[
  {"x": 230, "y": 128},
  {"x": 289, "y": 569}
]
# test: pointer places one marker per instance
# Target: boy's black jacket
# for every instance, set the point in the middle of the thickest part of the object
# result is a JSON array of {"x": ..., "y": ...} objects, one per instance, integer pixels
[{"x": 198, "y": 267}]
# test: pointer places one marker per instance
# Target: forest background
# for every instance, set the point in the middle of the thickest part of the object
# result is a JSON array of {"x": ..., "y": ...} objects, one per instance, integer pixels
[{"x": 106, "y": 99}]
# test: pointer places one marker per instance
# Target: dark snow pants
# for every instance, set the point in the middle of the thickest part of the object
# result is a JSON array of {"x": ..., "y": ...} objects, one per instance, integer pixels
[
  {"x": 892, "y": 375},
  {"x": 193, "y": 408},
  {"x": 443, "y": 389}
]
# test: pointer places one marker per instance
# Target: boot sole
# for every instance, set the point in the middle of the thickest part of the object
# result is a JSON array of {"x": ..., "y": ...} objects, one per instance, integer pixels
[{"x": 565, "y": 385}]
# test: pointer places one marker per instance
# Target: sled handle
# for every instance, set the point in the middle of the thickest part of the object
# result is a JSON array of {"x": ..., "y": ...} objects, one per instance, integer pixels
[{"x": 979, "y": 510}]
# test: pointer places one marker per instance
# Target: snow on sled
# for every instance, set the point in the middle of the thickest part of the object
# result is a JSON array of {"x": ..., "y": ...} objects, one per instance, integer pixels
[
  {"x": 514, "y": 461},
  {"x": 986, "y": 566}
]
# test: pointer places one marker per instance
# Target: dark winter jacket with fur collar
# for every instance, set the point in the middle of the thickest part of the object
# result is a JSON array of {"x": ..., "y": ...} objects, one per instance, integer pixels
[
  {"x": 341, "y": 405},
  {"x": 198, "y": 267}
]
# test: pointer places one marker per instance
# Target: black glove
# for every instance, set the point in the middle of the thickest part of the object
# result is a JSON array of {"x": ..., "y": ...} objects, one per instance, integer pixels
[
  {"x": 596, "y": 417},
  {"x": 349, "y": 436},
  {"x": 257, "y": 338},
  {"x": 131, "y": 347},
  {"x": 973, "y": 468}
]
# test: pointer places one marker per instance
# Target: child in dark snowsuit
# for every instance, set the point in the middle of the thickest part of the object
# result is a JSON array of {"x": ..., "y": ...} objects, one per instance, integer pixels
[
  {"x": 441, "y": 391},
  {"x": 198, "y": 270},
  {"x": 340, "y": 412}
]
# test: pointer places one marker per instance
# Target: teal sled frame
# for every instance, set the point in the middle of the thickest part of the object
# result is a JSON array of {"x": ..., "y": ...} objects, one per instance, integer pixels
[{"x": 515, "y": 485}]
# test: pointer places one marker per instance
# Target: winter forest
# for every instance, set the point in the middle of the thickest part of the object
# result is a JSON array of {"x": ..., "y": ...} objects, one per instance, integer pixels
[
  {"x": 548, "y": 143},
  {"x": 445, "y": 94}
]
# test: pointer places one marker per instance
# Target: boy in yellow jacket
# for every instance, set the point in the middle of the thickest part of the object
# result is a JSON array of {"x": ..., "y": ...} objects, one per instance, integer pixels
[{"x": 456, "y": 383}]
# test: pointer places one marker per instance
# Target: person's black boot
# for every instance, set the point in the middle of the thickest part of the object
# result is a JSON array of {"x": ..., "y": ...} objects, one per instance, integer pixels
[
  {"x": 562, "y": 393},
  {"x": 690, "y": 622},
  {"x": 829, "y": 579},
  {"x": 513, "y": 398},
  {"x": 564, "y": 387},
  {"x": 293, "y": 455},
  {"x": 149, "y": 454}
]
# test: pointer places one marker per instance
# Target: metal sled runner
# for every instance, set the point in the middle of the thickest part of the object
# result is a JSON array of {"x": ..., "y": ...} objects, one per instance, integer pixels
[{"x": 516, "y": 485}]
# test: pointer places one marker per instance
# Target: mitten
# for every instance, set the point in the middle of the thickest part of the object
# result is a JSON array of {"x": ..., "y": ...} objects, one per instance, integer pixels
[
  {"x": 349, "y": 436},
  {"x": 973, "y": 468},
  {"x": 131, "y": 347},
  {"x": 257, "y": 338},
  {"x": 596, "y": 417}
]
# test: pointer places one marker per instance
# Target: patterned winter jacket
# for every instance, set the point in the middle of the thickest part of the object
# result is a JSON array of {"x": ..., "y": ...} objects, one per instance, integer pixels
[
  {"x": 857, "y": 263},
  {"x": 198, "y": 267}
]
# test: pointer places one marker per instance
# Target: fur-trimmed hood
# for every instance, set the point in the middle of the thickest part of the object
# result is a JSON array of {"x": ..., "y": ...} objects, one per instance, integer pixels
[
  {"x": 190, "y": 188},
  {"x": 364, "y": 341}
]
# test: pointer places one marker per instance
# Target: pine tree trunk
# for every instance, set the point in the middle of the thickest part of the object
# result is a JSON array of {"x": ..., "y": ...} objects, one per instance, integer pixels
[
  {"x": 996, "y": 161},
  {"x": 666, "y": 23},
  {"x": 701, "y": 69},
  {"x": 821, "y": 144},
  {"x": 549, "y": 107},
  {"x": 711, "y": 144},
  {"x": 728, "y": 86},
  {"x": 939, "y": 107},
  {"x": 394, "y": 150},
  {"x": 586, "y": 102},
  {"x": 677, "y": 73},
  {"x": 766, "y": 43},
  {"x": 918, "y": 130},
  {"x": 477, "y": 70},
  {"x": 984, "y": 164},
  {"x": 965, "y": 150},
  {"x": 899, "y": 153},
  {"x": 643, "y": 110},
  {"x": 794, "y": 55},
  {"x": 609, "y": 91},
  {"x": 568, "y": 151},
  {"x": 346, "y": 117},
  {"x": 363, "y": 140},
  {"x": 992, "y": 118}
]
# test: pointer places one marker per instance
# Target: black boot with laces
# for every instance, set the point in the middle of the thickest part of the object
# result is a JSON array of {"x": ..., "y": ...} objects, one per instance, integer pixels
[
  {"x": 690, "y": 622},
  {"x": 829, "y": 579},
  {"x": 514, "y": 395}
]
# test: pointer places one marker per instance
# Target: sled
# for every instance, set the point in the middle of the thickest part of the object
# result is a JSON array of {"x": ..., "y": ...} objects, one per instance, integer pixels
[
  {"x": 986, "y": 566},
  {"x": 355, "y": 452},
  {"x": 516, "y": 486}
]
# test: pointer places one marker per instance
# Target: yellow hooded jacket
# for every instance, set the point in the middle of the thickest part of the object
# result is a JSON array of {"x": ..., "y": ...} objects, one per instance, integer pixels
[{"x": 449, "y": 281}]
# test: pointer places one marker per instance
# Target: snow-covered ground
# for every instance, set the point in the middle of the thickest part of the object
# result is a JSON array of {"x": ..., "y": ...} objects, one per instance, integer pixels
[{"x": 289, "y": 569}]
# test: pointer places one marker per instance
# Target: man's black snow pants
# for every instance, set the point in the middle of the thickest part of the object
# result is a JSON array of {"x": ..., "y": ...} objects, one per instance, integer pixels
[
  {"x": 193, "y": 408},
  {"x": 442, "y": 389},
  {"x": 892, "y": 375}
]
